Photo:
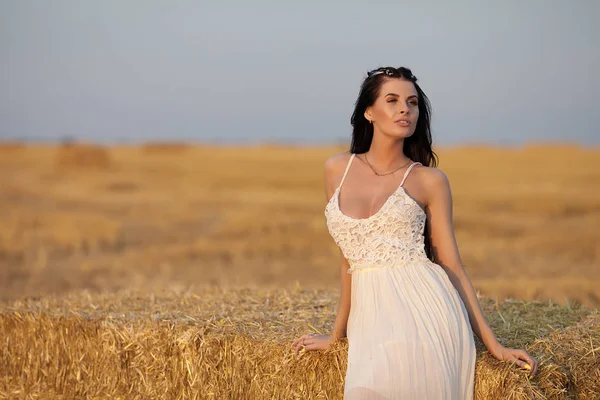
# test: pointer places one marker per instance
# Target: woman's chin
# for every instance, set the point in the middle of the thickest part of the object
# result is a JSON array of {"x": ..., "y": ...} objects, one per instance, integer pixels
[{"x": 402, "y": 133}]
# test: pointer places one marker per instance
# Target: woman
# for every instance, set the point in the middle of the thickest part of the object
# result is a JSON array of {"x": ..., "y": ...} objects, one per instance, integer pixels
[{"x": 407, "y": 306}]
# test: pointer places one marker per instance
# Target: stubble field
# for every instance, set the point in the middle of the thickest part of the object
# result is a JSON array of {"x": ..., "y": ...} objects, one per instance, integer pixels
[
  {"x": 526, "y": 220},
  {"x": 121, "y": 242}
]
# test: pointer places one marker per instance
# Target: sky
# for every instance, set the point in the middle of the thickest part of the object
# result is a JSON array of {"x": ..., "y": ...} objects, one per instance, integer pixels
[{"x": 125, "y": 71}]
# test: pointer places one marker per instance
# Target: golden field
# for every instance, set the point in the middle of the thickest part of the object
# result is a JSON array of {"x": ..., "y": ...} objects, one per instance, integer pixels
[
  {"x": 145, "y": 217},
  {"x": 157, "y": 271}
]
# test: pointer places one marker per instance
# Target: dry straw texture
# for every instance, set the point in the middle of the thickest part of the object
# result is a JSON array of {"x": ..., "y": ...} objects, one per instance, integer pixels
[{"x": 234, "y": 343}]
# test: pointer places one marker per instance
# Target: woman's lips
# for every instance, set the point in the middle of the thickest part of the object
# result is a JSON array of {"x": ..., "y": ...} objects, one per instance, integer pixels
[{"x": 403, "y": 122}]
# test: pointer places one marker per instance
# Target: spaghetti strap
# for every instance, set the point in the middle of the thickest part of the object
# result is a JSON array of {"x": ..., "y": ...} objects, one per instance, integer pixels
[
  {"x": 408, "y": 171},
  {"x": 346, "y": 171}
]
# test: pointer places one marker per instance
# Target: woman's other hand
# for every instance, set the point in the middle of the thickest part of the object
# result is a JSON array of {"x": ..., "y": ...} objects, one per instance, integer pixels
[
  {"x": 312, "y": 342},
  {"x": 520, "y": 357}
]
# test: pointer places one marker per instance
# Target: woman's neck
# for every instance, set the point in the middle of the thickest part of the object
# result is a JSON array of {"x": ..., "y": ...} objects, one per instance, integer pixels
[{"x": 386, "y": 152}]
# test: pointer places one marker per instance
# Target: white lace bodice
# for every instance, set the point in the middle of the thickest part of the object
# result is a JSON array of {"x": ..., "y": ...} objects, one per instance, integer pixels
[{"x": 391, "y": 237}]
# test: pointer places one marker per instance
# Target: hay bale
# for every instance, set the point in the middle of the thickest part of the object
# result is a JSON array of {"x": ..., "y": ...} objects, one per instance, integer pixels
[
  {"x": 86, "y": 156},
  {"x": 576, "y": 349},
  {"x": 235, "y": 343},
  {"x": 11, "y": 146},
  {"x": 165, "y": 147},
  {"x": 122, "y": 187}
]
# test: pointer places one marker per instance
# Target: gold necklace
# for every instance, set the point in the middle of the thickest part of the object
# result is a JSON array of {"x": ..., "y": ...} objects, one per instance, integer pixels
[{"x": 387, "y": 173}]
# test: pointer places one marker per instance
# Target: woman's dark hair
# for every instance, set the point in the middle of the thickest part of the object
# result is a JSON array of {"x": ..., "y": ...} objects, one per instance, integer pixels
[{"x": 417, "y": 147}]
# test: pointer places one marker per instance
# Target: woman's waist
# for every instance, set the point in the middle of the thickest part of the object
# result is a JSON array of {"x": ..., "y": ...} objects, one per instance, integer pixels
[{"x": 388, "y": 264}]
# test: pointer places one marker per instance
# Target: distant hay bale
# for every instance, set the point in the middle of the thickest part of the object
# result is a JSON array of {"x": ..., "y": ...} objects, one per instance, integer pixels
[
  {"x": 551, "y": 147},
  {"x": 122, "y": 187},
  {"x": 73, "y": 156},
  {"x": 165, "y": 147},
  {"x": 11, "y": 146}
]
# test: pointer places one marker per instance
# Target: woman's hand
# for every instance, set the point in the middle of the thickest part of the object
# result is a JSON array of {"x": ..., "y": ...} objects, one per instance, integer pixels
[
  {"x": 520, "y": 357},
  {"x": 312, "y": 342}
]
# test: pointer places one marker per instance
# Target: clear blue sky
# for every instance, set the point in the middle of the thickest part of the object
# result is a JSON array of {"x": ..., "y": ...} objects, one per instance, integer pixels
[{"x": 504, "y": 72}]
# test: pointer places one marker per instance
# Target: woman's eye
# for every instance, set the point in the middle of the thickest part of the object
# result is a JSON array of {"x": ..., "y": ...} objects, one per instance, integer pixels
[
  {"x": 414, "y": 103},
  {"x": 392, "y": 101}
]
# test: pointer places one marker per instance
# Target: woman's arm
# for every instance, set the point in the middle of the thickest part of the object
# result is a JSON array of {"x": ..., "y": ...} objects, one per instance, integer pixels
[
  {"x": 322, "y": 342},
  {"x": 334, "y": 169},
  {"x": 445, "y": 252},
  {"x": 341, "y": 319}
]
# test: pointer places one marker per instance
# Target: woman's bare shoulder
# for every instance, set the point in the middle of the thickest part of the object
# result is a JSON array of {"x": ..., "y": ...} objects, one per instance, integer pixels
[
  {"x": 336, "y": 163},
  {"x": 433, "y": 180},
  {"x": 430, "y": 175},
  {"x": 334, "y": 169}
]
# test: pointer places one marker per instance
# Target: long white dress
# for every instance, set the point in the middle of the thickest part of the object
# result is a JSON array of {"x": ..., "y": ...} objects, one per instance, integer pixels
[{"x": 408, "y": 331}]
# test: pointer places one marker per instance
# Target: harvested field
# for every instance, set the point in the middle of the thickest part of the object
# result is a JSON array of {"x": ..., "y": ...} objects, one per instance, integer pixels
[
  {"x": 184, "y": 271},
  {"x": 526, "y": 219}
]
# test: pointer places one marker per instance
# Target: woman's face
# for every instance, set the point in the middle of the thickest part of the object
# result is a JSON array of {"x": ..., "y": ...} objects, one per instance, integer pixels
[{"x": 396, "y": 109}]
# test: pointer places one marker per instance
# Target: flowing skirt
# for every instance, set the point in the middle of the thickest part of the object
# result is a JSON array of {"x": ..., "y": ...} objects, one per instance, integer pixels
[{"x": 409, "y": 336}]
